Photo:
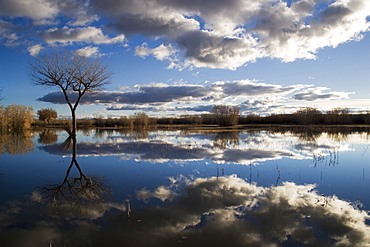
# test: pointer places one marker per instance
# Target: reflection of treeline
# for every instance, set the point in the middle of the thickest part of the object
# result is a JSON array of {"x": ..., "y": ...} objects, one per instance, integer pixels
[
  {"x": 21, "y": 142},
  {"x": 313, "y": 132},
  {"x": 18, "y": 142}
]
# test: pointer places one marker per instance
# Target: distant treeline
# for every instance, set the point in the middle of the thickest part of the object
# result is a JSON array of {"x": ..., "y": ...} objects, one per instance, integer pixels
[
  {"x": 17, "y": 117},
  {"x": 306, "y": 116}
]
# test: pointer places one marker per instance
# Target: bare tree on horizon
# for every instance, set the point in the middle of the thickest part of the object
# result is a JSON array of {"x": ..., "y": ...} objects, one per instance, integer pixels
[{"x": 73, "y": 74}]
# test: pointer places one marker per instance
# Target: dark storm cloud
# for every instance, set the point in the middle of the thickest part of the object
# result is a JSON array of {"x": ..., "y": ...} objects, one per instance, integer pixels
[
  {"x": 251, "y": 96},
  {"x": 251, "y": 88},
  {"x": 313, "y": 94},
  {"x": 55, "y": 98},
  {"x": 334, "y": 14},
  {"x": 145, "y": 95},
  {"x": 153, "y": 26},
  {"x": 162, "y": 93},
  {"x": 85, "y": 35},
  {"x": 199, "y": 108}
]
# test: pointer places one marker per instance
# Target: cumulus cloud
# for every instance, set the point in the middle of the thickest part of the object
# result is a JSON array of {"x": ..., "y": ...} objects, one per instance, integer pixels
[
  {"x": 162, "y": 52},
  {"x": 199, "y": 34},
  {"x": 207, "y": 49},
  {"x": 229, "y": 35},
  {"x": 68, "y": 35},
  {"x": 171, "y": 24},
  {"x": 89, "y": 51}
]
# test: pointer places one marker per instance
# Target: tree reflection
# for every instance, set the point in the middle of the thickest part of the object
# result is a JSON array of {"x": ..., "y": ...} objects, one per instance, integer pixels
[
  {"x": 75, "y": 196},
  {"x": 47, "y": 136},
  {"x": 226, "y": 139},
  {"x": 135, "y": 133},
  {"x": 308, "y": 134},
  {"x": 16, "y": 142}
]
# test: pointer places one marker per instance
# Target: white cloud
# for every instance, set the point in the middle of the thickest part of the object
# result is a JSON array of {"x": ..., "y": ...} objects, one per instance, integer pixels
[
  {"x": 224, "y": 34},
  {"x": 161, "y": 52},
  {"x": 34, "y": 50},
  {"x": 207, "y": 49},
  {"x": 45, "y": 11},
  {"x": 68, "y": 35},
  {"x": 89, "y": 51},
  {"x": 11, "y": 39},
  {"x": 230, "y": 34}
]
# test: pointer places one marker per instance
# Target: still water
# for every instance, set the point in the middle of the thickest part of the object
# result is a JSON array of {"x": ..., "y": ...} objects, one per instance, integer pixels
[{"x": 183, "y": 188}]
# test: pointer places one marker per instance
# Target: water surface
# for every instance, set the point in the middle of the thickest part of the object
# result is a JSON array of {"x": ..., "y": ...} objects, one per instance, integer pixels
[{"x": 170, "y": 188}]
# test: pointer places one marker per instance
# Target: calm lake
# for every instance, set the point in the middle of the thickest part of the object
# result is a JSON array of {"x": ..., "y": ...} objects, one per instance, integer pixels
[{"x": 184, "y": 188}]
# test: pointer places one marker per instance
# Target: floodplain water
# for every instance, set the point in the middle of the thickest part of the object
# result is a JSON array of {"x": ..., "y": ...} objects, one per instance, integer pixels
[{"x": 185, "y": 188}]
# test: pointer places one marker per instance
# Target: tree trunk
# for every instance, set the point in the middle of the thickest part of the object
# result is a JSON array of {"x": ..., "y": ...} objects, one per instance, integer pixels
[{"x": 74, "y": 123}]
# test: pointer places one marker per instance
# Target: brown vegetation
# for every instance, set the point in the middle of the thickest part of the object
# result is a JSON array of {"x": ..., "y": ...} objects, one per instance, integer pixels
[
  {"x": 15, "y": 117},
  {"x": 19, "y": 117},
  {"x": 47, "y": 115},
  {"x": 226, "y": 115}
]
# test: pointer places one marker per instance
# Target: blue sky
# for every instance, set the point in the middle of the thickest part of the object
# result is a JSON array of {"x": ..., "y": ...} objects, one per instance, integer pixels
[{"x": 176, "y": 57}]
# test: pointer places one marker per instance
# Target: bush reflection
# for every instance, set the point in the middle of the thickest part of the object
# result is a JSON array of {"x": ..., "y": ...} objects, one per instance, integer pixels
[{"x": 16, "y": 142}]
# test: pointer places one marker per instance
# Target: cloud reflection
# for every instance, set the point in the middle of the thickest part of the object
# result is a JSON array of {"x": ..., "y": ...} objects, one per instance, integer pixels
[
  {"x": 222, "y": 147},
  {"x": 216, "y": 211},
  {"x": 250, "y": 215}
]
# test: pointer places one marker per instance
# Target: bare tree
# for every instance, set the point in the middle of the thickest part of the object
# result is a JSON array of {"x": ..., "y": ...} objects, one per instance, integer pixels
[
  {"x": 226, "y": 115},
  {"x": 308, "y": 115},
  {"x": 337, "y": 115},
  {"x": 75, "y": 75},
  {"x": 141, "y": 119}
]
